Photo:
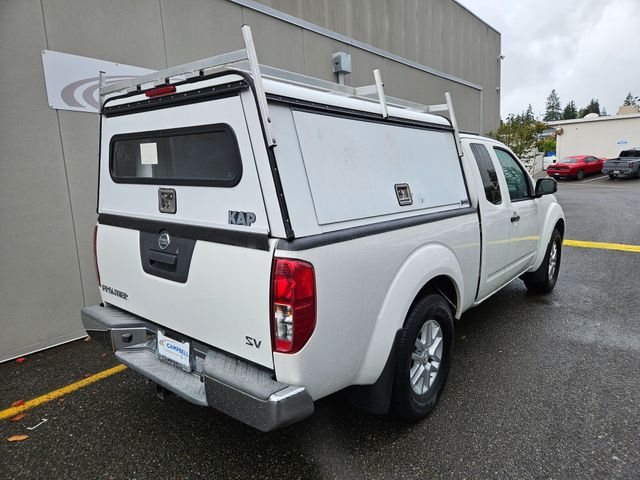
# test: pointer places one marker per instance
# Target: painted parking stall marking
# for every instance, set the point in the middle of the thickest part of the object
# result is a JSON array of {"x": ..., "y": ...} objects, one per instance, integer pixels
[
  {"x": 47, "y": 397},
  {"x": 602, "y": 245}
]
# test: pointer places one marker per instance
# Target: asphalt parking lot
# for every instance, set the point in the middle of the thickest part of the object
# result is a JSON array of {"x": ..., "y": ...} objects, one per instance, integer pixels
[{"x": 540, "y": 387}]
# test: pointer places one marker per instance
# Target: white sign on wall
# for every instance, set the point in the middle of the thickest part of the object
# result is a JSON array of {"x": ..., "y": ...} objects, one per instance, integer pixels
[{"x": 72, "y": 81}]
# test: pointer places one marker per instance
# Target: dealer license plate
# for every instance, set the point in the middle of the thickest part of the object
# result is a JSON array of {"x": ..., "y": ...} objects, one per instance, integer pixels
[
  {"x": 616, "y": 172},
  {"x": 175, "y": 352},
  {"x": 557, "y": 174}
]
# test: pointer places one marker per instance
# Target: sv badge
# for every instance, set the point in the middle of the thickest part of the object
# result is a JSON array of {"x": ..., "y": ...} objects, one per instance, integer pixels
[{"x": 252, "y": 342}]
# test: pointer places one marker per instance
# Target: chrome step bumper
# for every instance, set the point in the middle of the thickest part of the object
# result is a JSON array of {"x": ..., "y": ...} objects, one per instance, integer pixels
[{"x": 242, "y": 390}]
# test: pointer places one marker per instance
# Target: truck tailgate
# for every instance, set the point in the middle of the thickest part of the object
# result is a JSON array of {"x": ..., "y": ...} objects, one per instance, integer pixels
[
  {"x": 183, "y": 235},
  {"x": 224, "y": 300}
]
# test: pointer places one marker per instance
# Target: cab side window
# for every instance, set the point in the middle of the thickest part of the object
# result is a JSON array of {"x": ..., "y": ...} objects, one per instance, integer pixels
[
  {"x": 517, "y": 179},
  {"x": 488, "y": 173}
]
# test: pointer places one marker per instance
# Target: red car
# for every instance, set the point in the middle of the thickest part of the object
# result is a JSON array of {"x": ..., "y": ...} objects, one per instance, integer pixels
[{"x": 577, "y": 166}]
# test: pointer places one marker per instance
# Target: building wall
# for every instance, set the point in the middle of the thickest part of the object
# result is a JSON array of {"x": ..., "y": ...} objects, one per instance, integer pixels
[
  {"x": 48, "y": 158},
  {"x": 602, "y": 138},
  {"x": 441, "y": 34}
]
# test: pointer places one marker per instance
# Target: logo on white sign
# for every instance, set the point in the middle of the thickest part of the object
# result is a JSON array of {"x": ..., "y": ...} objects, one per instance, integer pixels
[{"x": 73, "y": 81}]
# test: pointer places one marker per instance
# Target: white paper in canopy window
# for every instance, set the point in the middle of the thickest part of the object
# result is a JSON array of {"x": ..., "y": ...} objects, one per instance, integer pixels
[{"x": 148, "y": 154}]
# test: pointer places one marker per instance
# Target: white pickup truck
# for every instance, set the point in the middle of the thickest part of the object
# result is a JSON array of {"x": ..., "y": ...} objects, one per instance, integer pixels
[{"x": 266, "y": 239}]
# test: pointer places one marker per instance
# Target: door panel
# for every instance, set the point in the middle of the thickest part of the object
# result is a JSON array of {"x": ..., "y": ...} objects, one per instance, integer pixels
[
  {"x": 523, "y": 214},
  {"x": 494, "y": 211}
]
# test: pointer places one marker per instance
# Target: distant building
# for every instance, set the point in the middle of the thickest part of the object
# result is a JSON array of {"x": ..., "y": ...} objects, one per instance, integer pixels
[{"x": 599, "y": 136}]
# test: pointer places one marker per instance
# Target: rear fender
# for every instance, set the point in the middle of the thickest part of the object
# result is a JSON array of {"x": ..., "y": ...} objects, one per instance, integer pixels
[{"x": 419, "y": 268}]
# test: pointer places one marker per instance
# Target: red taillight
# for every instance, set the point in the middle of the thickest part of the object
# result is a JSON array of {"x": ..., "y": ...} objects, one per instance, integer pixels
[
  {"x": 158, "y": 92},
  {"x": 95, "y": 253},
  {"x": 293, "y": 304}
]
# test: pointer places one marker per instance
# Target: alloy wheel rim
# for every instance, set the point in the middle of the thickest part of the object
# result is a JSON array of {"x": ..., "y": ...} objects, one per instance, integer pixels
[
  {"x": 553, "y": 259},
  {"x": 426, "y": 357}
]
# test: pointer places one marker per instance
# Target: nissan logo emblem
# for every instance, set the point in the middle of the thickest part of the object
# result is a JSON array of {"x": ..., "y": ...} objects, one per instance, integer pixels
[{"x": 164, "y": 240}]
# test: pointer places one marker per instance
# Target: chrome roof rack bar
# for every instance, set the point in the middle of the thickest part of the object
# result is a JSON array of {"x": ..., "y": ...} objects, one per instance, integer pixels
[
  {"x": 163, "y": 76},
  {"x": 246, "y": 60}
]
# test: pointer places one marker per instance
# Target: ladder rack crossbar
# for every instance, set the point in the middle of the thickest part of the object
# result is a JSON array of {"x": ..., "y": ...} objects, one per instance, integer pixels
[{"x": 185, "y": 69}]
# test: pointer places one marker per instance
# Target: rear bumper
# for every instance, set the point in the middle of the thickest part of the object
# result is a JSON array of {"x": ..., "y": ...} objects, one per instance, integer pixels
[
  {"x": 619, "y": 171},
  {"x": 561, "y": 173},
  {"x": 242, "y": 390}
]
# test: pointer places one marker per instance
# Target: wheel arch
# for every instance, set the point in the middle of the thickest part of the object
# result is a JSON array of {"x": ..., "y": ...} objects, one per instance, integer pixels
[
  {"x": 433, "y": 268},
  {"x": 374, "y": 391},
  {"x": 553, "y": 219}
]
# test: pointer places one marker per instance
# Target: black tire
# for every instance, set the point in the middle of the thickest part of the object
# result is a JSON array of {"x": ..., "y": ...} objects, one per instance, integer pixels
[
  {"x": 406, "y": 404},
  {"x": 580, "y": 175},
  {"x": 612, "y": 176},
  {"x": 540, "y": 281}
]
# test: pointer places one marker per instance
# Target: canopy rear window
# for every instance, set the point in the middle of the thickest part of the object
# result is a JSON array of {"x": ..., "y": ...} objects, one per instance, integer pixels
[{"x": 204, "y": 155}]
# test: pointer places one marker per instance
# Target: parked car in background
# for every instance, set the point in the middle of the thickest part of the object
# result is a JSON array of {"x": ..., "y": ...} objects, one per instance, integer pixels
[
  {"x": 577, "y": 166},
  {"x": 627, "y": 163}
]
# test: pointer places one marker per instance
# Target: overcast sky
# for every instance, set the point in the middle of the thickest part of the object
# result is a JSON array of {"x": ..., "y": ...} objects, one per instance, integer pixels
[{"x": 582, "y": 48}]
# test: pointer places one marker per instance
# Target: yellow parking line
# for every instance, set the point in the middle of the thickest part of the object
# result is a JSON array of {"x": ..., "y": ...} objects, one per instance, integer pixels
[
  {"x": 47, "y": 397},
  {"x": 605, "y": 246}
]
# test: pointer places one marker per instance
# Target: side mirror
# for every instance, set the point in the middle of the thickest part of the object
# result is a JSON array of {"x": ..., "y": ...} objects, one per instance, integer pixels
[{"x": 545, "y": 186}]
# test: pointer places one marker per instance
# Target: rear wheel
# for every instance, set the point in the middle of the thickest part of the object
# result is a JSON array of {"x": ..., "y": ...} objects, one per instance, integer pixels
[
  {"x": 424, "y": 352},
  {"x": 545, "y": 277},
  {"x": 612, "y": 176},
  {"x": 580, "y": 174}
]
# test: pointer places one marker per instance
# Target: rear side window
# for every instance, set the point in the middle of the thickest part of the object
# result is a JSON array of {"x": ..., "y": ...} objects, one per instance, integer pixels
[
  {"x": 205, "y": 155},
  {"x": 519, "y": 187},
  {"x": 630, "y": 153},
  {"x": 488, "y": 173}
]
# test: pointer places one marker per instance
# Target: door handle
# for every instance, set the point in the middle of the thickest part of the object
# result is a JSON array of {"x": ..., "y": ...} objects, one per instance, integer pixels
[
  {"x": 515, "y": 217},
  {"x": 161, "y": 257}
]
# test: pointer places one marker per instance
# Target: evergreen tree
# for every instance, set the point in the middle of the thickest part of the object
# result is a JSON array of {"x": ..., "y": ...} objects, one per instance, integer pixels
[
  {"x": 528, "y": 115},
  {"x": 630, "y": 100},
  {"x": 553, "y": 110},
  {"x": 570, "y": 111},
  {"x": 593, "y": 107}
]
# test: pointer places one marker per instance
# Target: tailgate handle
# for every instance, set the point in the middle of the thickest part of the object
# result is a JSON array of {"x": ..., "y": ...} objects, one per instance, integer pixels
[{"x": 161, "y": 257}]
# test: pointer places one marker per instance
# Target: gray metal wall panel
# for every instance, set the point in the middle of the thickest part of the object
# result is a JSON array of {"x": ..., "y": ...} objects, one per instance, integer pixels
[
  {"x": 278, "y": 43},
  {"x": 80, "y": 143},
  {"x": 116, "y": 30},
  {"x": 40, "y": 289},
  {"x": 196, "y": 29},
  {"x": 438, "y": 33}
]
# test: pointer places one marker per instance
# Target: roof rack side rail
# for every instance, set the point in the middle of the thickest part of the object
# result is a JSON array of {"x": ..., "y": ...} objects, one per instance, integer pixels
[
  {"x": 164, "y": 76},
  {"x": 197, "y": 68},
  {"x": 248, "y": 57}
]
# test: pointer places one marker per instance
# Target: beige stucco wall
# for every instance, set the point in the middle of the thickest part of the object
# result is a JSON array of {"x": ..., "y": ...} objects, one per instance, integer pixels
[{"x": 599, "y": 137}]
